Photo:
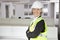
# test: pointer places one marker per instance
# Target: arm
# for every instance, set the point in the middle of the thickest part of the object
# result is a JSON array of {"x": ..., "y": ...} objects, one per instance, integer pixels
[{"x": 40, "y": 27}]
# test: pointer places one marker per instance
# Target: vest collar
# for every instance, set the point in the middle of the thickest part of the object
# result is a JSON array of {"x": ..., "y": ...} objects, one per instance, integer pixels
[
  {"x": 36, "y": 18},
  {"x": 39, "y": 16}
]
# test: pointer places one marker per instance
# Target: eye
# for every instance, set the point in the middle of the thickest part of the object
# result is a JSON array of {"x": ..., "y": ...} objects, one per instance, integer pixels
[
  {"x": 33, "y": 9},
  {"x": 38, "y": 9}
]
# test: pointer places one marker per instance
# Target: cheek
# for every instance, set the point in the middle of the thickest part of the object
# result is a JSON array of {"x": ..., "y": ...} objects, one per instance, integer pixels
[
  {"x": 34, "y": 11},
  {"x": 39, "y": 11}
]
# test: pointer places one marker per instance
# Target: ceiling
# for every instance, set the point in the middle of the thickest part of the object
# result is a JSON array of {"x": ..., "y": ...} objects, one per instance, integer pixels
[{"x": 21, "y": 0}]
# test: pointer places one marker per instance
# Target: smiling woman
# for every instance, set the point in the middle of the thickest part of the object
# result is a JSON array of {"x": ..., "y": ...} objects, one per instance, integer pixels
[
  {"x": 38, "y": 28},
  {"x": 36, "y": 12}
]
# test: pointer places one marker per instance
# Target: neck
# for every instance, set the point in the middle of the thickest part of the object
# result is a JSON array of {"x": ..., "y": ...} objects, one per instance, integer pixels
[{"x": 38, "y": 16}]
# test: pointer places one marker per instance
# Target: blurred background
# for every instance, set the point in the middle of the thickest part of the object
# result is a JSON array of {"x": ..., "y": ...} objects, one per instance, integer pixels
[{"x": 15, "y": 17}]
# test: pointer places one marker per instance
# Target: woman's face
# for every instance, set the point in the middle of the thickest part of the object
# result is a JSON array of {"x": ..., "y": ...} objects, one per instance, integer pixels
[{"x": 36, "y": 12}]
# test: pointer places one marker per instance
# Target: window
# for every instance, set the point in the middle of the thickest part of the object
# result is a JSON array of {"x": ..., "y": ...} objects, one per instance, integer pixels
[
  {"x": 30, "y": 6},
  {"x": 25, "y": 13},
  {"x": 27, "y": 17},
  {"x": 25, "y": 6},
  {"x": 13, "y": 11},
  {"x": 30, "y": 13},
  {"x": 57, "y": 16},
  {"x": 45, "y": 14},
  {"x": 7, "y": 11},
  {"x": 45, "y": 5}
]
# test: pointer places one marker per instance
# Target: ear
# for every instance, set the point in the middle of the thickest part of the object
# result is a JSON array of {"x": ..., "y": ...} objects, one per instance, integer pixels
[
  {"x": 41, "y": 12},
  {"x": 31, "y": 12}
]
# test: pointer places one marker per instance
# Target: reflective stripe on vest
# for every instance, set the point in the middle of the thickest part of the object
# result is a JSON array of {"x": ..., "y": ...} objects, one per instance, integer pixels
[{"x": 32, "y": 27}]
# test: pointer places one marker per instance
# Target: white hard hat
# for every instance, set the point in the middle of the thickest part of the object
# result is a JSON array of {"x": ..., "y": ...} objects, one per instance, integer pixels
[{"x": 37, "y": 4}]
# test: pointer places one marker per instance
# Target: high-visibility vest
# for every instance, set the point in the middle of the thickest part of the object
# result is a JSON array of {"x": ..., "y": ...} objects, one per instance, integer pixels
[{"x": 43, "y": 35}]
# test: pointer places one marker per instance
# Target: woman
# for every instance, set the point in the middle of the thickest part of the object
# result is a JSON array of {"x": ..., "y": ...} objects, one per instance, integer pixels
[{"x": 37, "y": 29}]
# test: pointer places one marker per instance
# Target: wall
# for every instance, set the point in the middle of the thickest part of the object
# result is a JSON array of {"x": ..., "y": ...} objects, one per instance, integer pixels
[
  {"x": 8, "y": 32},
  {"x": 3, "y": 9},
  {"x": 19, "y": 10},
  {"x": 56, "y": 11}
]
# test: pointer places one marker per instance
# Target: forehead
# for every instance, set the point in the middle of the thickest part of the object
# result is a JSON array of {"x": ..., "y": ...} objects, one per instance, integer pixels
[{"x": 36, "y": 8}]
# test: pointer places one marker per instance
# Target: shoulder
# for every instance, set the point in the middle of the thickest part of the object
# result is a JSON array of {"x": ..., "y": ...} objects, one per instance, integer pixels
[{"x": 41, "y": 22}]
